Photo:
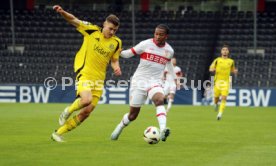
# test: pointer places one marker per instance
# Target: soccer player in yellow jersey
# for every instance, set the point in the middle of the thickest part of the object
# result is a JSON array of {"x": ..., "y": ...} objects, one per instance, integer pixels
[
  {"x": 222, "y": 67},
  {"x": 100, "y": 46}
]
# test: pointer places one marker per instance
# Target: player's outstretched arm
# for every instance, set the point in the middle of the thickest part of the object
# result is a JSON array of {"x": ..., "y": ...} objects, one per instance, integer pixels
[
  {"x": 127, "y": 53},
  {"x": 67, "y": 16},
  {"x": 116, "y": 67}
]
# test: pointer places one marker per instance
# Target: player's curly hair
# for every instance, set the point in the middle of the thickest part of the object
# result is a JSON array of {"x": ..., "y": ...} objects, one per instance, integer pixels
[
  {"x": 113, "y": 19},
  {"x": 164, "y": 26}
]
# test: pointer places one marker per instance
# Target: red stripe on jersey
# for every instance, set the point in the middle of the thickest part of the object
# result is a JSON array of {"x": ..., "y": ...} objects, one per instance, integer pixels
[
  {"x": 155, "y": 58},
  {"x": 133, "y": 51},
  {"x": 164, "y": 114}
]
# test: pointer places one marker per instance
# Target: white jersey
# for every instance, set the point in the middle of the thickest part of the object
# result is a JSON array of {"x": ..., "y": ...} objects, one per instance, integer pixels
[
  {"x": 208, "y": 93},
  {"x": 169, "y": 77},
  {"x": 153, "y": 60}
]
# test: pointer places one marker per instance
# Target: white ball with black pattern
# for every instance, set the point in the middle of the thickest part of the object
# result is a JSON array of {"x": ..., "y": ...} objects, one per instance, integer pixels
[{"x": 152, "y": 135}]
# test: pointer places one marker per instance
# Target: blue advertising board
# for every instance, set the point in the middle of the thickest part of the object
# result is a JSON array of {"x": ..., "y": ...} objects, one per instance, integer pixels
[{"x": 40, "y": 94}]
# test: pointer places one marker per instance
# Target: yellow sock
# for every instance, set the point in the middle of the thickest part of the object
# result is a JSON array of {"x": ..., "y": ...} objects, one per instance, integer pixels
[
  {"x": 222, "y": 106},
  {"x": 69, "y": 125},
  {"x": 75, "y": 106}
]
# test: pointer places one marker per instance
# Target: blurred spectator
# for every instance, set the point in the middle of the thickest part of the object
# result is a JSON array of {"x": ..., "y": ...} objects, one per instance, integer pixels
[{"x": 208, "y": 95}]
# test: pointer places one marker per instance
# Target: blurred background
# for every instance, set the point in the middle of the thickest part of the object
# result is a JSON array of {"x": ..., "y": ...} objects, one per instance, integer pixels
[{"x": 36, "y": 42}]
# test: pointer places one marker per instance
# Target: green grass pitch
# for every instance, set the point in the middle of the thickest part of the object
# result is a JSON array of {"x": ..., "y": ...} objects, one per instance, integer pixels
[{"x": 244, "y": 137}]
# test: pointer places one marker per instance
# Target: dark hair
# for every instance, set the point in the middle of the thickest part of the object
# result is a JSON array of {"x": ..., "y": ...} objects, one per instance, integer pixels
[
  {"x": 226, "y": 46},
  {"x": 163, "y": 26},
  {"x": 113, "y": 19}
]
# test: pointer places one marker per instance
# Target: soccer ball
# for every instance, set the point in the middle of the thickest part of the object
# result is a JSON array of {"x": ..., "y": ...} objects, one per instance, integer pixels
[{"x": 152, "y": 135}]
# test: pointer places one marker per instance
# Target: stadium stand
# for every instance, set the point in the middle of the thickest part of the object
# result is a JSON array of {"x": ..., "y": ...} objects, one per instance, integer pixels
[{"x": 50, "y": 44}]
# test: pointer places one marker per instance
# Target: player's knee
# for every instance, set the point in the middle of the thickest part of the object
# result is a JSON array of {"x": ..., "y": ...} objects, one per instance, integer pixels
[
  {"x": 224, "y": 98},
  {"x": 159, "y": 102},
  {"x": 84, "y": 114},
  {"x": 132, "y": 117},
  {"x": 86, "y": 101}
]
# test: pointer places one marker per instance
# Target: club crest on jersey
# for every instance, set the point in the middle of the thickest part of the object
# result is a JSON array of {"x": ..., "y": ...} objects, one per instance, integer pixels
[
  {"x": 167, "y": 54},
  {"x": 111, "y": 46}
]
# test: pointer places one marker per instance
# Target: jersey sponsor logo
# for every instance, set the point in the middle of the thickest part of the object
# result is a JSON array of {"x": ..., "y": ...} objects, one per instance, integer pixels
[
  {"x": 101, "y": 51},
  {"x": 154, "y": 58}
]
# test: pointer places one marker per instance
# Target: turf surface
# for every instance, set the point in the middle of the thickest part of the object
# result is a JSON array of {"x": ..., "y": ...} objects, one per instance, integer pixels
[{"x": 245, "y": 136}]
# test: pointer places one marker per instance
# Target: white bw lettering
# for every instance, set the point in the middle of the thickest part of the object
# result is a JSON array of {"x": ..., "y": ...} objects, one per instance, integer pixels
[{"x": 38, "y": 94}]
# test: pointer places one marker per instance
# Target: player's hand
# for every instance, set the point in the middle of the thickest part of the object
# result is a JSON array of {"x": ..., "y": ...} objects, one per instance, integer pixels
[
  {"x": 117, "y": 71},
  {"x": 57, "y": 8},
  {"x": 235, "y": 71},
  {"x": 177, "y": 84},
  {"x": 212, "y": 70}
]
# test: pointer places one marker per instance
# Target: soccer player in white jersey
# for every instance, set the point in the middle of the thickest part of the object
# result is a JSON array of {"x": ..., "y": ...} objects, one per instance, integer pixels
[
  {"x": 170, "y": 86},
  {"x": 155, "y": 55}
]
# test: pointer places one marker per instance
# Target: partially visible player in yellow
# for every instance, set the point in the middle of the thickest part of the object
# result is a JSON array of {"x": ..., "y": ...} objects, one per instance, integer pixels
[
  {"x": 100, "y": 46},
  {"x": 222, "y": 67}
]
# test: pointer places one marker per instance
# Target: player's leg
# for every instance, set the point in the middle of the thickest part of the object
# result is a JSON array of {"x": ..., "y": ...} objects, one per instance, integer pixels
[
  {"x": 170, "y": 99},
  {"x": 127, "y": 118},
  {"x": 70, "y": 124},
  {"x": 84, "y": 113},
  {"x": 224, "y": 94},
  {"x": 216, "y": 105},
  {"x": 79, "y": 118},
  {"x": 216, "y": 98},
  {"x": 156, "y": 94},
  {"x": 166, "y": 90},
  {"x": 83, "y": 101},
  {"x": 84, "y": 87},
  {"x": 160, "y": 110},
  {"x": 137, "y": 99},
  {"x": 75, "y": 121},
  {"x": 222, "y": 106}
]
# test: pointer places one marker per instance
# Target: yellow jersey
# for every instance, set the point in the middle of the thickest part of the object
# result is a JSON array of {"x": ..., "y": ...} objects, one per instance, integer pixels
[
  {"x": 223, "y": 67},
  {"x": 95, "y": 53}
]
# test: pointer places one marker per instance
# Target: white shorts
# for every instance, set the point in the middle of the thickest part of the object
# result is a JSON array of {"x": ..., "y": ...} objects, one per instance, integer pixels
[
  {"x": 169, "y": 88},
  {"x": 138, "y": 96}
]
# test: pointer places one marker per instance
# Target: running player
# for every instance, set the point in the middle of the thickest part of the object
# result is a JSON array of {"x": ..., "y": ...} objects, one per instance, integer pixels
[
  {"x": 155, "y": 55},
  {"x": 170, "y": 86},
  {"x": 222, "y": 67},
  {"x": 100, "y": 46}
]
